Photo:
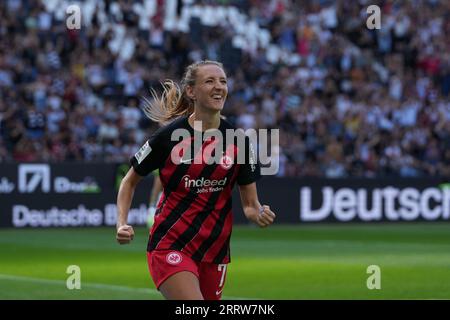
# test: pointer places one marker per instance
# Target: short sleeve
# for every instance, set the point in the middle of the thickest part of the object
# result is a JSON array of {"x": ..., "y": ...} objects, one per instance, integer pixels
[
  {"x": 249, "y": 171},
  {"x": 150, "y": 156}
]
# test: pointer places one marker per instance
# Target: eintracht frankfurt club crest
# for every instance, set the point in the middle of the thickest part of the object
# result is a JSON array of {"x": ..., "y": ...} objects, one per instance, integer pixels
[
  {"x": 173, "y": 258},
  {"x": 226, "y": 162}
]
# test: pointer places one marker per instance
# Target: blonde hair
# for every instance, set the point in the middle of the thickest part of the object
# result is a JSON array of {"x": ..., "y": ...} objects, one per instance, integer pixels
[{"x": 174, "y": 102}]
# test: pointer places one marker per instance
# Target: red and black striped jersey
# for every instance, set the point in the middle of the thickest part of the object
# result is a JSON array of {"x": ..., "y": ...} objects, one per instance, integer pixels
[{"x": 194, "y": 214}]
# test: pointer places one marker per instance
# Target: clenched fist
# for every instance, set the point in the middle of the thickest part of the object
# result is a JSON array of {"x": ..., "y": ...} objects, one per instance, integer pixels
[
  {"x": 125, "y": 234},
  {"x": 265, "y": 216}
]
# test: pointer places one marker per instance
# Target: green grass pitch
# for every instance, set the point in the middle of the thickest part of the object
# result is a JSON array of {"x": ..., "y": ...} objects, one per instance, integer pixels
[{"x": 280, "y": 262}]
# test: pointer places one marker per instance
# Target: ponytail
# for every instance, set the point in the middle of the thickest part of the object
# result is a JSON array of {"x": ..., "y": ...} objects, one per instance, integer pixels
[{"x": 172, "y": 104}]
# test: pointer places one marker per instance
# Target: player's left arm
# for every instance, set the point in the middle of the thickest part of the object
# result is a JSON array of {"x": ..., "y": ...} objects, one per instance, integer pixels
[{"x": 253, "y": 210}]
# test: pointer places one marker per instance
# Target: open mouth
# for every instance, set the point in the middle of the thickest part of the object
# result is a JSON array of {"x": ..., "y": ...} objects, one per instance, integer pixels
[{"x": 217, "y": 97}]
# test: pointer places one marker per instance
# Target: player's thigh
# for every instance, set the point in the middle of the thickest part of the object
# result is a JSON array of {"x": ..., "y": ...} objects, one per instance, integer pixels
[
  {"x": 212, "y": 280},
  {"x": 183, "y": 285},
  {"x": 175, "y": 274}
]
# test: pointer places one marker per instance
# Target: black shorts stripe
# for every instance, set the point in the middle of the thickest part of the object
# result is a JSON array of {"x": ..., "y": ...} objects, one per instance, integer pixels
[
  {"x": 196, "y": 224},
  {"x": 215, "y": 233}
]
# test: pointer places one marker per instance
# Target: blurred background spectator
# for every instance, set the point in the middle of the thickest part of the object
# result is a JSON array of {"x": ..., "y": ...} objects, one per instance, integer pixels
[{"x": 349, "y": 101}]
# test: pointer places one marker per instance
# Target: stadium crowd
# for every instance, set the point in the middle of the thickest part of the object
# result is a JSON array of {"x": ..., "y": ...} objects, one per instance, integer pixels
[{"x": 349, "y": 101}]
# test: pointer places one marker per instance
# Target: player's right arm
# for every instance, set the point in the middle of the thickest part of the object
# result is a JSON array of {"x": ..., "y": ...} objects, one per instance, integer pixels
[
  {"x": 125, "y": 232},
  {"x": 149, "y": 157}
]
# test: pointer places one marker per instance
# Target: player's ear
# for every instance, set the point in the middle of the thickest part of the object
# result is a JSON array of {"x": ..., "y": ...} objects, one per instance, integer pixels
[{"x": 190, "y": 92}]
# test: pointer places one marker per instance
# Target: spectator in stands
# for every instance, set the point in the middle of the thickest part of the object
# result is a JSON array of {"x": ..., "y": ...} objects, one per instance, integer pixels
[{"x": 347, "y": 100}]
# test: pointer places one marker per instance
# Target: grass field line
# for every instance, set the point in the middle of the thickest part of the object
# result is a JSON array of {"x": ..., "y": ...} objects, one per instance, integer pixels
[
  {"x": 94, "y": 285},
  {"x": 83, "y": 284}
]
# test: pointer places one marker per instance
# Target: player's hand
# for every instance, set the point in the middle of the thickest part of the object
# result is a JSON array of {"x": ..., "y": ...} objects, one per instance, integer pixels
[
  {"x": 125, "y": 234},
  {"x": 265, "y": 217}
]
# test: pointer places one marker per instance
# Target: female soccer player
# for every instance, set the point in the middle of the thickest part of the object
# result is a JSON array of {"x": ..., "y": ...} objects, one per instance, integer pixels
[{"x": 189, "y": 243}]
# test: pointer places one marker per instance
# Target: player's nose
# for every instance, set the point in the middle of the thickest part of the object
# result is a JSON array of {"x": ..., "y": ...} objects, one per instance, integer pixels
[{"x": 219, "y": 86}]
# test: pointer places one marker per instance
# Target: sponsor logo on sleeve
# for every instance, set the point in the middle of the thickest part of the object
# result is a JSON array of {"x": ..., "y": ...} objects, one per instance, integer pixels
[{"x": 143, "y": 152}]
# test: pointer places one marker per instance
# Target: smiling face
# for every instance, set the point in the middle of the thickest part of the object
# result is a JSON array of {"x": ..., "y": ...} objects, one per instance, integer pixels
[{"x": 210, "y": 89}]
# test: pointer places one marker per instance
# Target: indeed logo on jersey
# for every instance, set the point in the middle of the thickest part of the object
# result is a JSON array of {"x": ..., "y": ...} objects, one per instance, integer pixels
[{"x": 206, "y": 185}]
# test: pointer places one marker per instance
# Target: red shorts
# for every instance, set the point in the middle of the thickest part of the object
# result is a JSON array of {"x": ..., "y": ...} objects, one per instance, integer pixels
[{"x": 165, "y": 263}]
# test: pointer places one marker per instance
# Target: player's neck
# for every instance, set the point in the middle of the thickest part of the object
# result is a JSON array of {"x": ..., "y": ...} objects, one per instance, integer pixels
[{"x": 208, "y": 121}]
